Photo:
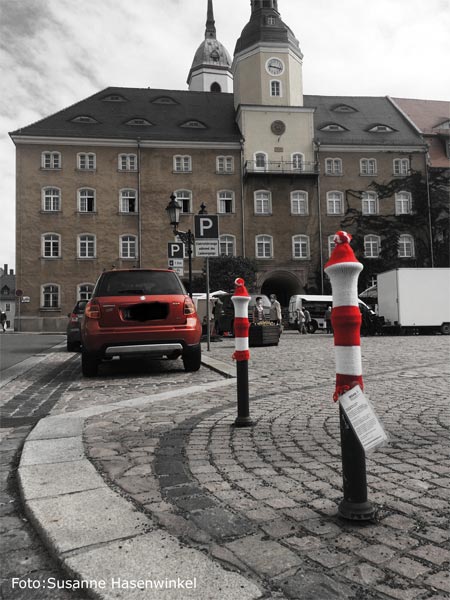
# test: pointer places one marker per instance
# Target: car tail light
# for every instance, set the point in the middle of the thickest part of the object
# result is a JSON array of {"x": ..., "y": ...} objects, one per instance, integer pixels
[
  {"x": 189, "y": 307},
  {"x": 74, "y": 318},
  {"x": 92, "y": 310}
]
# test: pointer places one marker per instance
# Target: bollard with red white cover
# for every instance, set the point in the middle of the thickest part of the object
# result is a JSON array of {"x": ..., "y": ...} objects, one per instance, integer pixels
[
  {"x": 343, "y": 269},
  {"x": 241, "y": 299}
]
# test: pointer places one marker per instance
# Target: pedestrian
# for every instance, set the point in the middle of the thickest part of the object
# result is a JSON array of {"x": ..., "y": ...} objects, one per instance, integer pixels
[
  {"x": 301, "y": 321},
  {"x": 258, "y": 311},
  {"x": 307, "y": 319},
  {"x": 3, "y": 320},
  {"x": 327, "y": 317},
  {"x": 217, "y": 311},
  {"x": 275, "y": 310}
]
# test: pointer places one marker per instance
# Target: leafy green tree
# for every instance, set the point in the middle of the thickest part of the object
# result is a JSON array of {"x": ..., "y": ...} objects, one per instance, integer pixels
[{"x": 223, "y": 270}]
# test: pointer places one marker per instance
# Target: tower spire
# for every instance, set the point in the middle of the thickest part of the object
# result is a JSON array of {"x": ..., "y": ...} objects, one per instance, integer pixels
[{"x": 210, "y": 31}]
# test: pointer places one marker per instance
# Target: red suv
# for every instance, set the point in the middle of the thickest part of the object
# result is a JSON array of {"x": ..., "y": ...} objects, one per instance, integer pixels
[{"x": 140, "y": 312}]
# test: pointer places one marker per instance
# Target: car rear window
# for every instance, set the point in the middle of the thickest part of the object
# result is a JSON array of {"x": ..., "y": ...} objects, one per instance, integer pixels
[{"x": 129, "y": 283}]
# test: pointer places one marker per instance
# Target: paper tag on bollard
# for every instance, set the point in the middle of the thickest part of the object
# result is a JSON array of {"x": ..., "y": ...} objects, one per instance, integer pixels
[{"x": 363, "y": 419}]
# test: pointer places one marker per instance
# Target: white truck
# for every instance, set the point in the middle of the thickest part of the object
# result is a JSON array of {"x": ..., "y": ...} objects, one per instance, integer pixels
[{"x": 414, "y": 300}]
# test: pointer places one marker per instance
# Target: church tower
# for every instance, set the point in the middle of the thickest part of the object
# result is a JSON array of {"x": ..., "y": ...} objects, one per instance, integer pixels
[{"x": 211, "y": 67}]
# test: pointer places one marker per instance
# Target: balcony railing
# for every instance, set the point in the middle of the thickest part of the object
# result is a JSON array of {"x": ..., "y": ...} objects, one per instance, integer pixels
[{"x": 281, "y": 167}]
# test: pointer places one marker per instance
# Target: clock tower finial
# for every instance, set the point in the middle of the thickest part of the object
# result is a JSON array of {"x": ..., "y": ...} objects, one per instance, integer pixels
[{"x": 210, "y": 31}]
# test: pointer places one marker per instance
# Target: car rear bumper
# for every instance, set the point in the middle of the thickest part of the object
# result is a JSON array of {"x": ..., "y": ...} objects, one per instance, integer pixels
[{"x": 147, "y": 349}]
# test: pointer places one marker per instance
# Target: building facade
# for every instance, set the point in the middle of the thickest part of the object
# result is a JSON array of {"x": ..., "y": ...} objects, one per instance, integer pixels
[{"x": 283, "y": 170}]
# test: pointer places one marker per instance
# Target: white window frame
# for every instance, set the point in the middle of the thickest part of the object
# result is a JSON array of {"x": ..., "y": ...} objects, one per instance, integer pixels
[
  {"x": 53, "y": 199},
  {"x": 182, "y": 163},
  {"x": 372, "y": 246},
  {"x": 276, "y": 88},
  {"x": 300, "y": 247},
  {"x": 333, "y": 197},
  {"x": 83, "y": 200},
  {"x": 331, "y": 244},
  {"x": 53, "y": 290},
  {"x": 403, "y": 199},
  {"x": 406, "y": 246},
  {"x": 261, "y": 161},
  {"x": 184, "y": 197},
  {"x": 50, "y": 159},
  {"x": 51, "y": 243},
  {"x": 298, "y": 161},
  {"x": 224, "y": 164},
  {"x": 265, "y": 242},
  {"x": 127, "y": 162},
  {"x": 227, "y": 245},
  {"x": 368, "y": 167},
  {"x": 263, "y": 202},
  {"x": 86, "y": 161},
  {"x": 369, "y": 203},
  {"x": 401, "y": 166},
  {"x": 125, "y": 196},
  {"x": 225, "y": 198},
  {"x": 86, "y": 246},
  {"x": 128, "y": 243},
  {"x": 299, "y": 203},
  {"x": 333, "y": 166},
  {"x": 84, "y": 290}
]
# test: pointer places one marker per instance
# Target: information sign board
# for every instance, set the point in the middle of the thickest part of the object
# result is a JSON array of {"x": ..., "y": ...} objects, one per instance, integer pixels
[{"x": 363, "y": 419}]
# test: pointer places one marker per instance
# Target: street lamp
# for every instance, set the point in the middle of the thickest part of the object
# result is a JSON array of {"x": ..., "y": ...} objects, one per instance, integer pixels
[{"x": 187, "y": 237}]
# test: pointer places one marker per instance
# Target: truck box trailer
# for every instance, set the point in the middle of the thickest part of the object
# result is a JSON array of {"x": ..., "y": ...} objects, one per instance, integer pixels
[{"x": 415, "y": 300}]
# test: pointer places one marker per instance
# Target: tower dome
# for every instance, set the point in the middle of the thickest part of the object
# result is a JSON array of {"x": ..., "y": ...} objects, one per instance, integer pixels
[{"x": 211, "y": 67}]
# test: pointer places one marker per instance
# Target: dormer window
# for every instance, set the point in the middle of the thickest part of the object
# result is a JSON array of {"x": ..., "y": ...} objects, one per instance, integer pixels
[
  {"x": 193, "y": 124},
  {"x": 344, "y": 108},
  {"x": 114, "y": 98},
  {"x": 271, "y": 20},
  {"x": 381, "y": 129},
  {"x": 164, "y": 100},
  {"x": 84, "y": 119},
  {"x": 333, "y": 127},
  {"x": 215, "y": 56},
  {"x": 139, "y": 122}
]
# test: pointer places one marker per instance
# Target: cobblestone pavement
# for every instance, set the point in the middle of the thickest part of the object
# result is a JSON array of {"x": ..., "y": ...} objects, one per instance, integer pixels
[{"x": 262, "y": 501}]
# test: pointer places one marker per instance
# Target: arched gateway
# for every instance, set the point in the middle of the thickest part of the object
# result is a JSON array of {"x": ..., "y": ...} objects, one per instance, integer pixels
[{"x": 282, "y": 283}]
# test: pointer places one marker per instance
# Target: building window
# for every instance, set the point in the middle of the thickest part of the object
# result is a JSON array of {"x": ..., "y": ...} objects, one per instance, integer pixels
[
  {"x": 264, "y": 247},
  {"x": 182, "y": 164},
  {"x": 335, "y": 203},
  {"x": 86, "y": 161},
  {"x": 372, "y": 246},
  {"x": 369, "y": 203},
  {"x": 227, "y": 245},
  {"x": 401, "y": 166},
  {"x": 331, "y": 244},
  {"x": 299, "y": 203},
  {"x": 7, "y": 307},
  {"x": 300, "y": 246},
  {"x": 128, "y": 246},
  {"x": 127, "y": 162},
  {"x": 128, "y": 201},
  {"x": 84, "y": 291},
  {"x": 367, "y": 166},
  {"x": 333, "y": 166},
  {"x": 406, "y": 246},
  {"x": 298, "y": 161},
  {"x": 51, "y": 199},
  {"x": 51, "y": 160},
  {"x": 275, "y": 88},
  {"x": 263, "y": 203},
  {"x": 225, "y": 201},
  {"x": 184, "y": 197},
  {"x": 403, "y": 203},
  {"x": 225, "y": 164},
  {"x": 86, "y": 246},
  {"x": 50, "y": 296},
  {"x": 86, "y": 200},
  {"x": 260, "y": 161},
  {"x": 51, "y": 245}
]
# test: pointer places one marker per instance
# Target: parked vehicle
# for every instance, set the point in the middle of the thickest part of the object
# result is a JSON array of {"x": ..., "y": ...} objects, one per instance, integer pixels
[
  {"x": 226, "y": 318},
  {"x": 414, "y": 300},
  {"x": 74, "y": 325},
  {"x": 140, "y": 312}
]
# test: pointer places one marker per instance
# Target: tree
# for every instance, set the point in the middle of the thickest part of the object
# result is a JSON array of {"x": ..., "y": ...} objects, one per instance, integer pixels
[{"x": 223, "y": 272}]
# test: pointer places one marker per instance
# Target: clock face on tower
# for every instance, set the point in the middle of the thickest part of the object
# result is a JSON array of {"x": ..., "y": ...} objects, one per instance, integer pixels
[{"x": 274, "y": 66}]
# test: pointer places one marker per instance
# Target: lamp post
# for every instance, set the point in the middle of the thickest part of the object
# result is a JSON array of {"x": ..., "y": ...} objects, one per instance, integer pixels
[{"x": 187, "y": 237}]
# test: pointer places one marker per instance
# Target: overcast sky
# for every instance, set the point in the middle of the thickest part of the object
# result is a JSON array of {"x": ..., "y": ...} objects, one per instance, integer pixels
[{"x": 54, "y": 53}]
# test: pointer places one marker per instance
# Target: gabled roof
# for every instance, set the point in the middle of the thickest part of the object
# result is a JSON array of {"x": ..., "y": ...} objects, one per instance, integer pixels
[
  {"x": 357, "y": 123},
  {"x": 427, "y": 115},
  {"x": 166, "y": 119}
]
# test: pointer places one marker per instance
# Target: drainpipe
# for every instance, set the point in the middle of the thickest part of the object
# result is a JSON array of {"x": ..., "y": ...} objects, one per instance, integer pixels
[
  {"x": 242, "y": 200},
  {"x": 139, "y": 202},
  {"x": 429, "y": 208},
  {"x": 320, "y": 217}
]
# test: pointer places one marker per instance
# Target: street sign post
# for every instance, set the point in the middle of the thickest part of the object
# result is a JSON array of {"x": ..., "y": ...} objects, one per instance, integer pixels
[{"x": 206, "y": 229}]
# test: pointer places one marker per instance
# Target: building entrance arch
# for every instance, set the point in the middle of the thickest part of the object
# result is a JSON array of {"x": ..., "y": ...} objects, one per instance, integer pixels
[{"x": 283, "y": 284}]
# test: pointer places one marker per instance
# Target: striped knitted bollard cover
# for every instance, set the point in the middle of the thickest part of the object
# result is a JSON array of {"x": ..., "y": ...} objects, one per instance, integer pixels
[
  {"x": 343, "y": 269},
  {"x": 241, "y": 299}
]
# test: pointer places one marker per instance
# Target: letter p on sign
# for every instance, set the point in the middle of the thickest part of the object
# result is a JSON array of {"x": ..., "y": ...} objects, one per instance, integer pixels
[{"x": 206, "y": 227}]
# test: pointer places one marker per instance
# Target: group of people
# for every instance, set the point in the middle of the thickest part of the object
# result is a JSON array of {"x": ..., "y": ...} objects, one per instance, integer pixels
[{"x": 274, "y": 314}]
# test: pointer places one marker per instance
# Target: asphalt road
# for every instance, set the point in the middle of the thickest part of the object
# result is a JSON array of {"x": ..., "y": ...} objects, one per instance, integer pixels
[{"x": 16, "y": 347}]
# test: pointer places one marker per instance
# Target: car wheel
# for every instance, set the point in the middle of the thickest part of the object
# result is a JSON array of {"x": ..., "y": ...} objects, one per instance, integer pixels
[
  {"x": 72, "y": 346},
  {"x": 192, "y": 358},
  {"x": 89, "y": 364},
  {"x": 312, "y": 326}
]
